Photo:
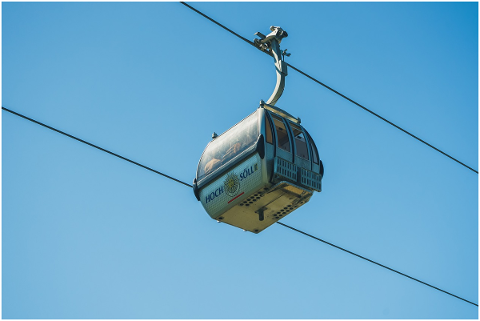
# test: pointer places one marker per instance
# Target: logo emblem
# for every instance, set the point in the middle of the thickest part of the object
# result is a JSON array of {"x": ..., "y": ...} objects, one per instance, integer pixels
[{"x": 232, "y": 184}]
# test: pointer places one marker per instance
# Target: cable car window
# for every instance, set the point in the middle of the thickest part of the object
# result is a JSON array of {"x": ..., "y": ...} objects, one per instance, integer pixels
[
  {"x": 313, "y": 148},
  {"x": 228, "y": 145},
  {"x": 300, "y": 141},
  {"x": 268, "y": 130},
  {"x": 282, "y": 135}
]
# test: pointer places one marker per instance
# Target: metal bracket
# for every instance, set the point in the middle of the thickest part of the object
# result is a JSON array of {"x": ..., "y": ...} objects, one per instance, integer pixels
[
  {"x": 271, "y": 44},
  {"x": 261, "y": 215},
  {"x": 280, "y": 112}
]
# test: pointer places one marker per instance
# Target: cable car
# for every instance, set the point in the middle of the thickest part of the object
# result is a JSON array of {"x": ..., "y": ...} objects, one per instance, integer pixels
[{"x": 264, "y": 167}]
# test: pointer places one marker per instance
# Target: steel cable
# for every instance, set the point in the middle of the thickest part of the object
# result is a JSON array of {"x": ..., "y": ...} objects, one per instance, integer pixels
[
  {"x": 189, "y": 185},
  {"x": 336, "y": 92},
  {"x": 371, "y": 261},
  {"x": 95, "y": 146}
]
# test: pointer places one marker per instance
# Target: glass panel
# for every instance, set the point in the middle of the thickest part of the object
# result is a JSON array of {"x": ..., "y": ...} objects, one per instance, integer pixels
[
  {"x": 268, "y": 130},
  {"x": 313, "y": 148},
  {"x": 282, "y": 134},
  {"x": 228, "y": 145},
  {"x": 300, "y": 141}
]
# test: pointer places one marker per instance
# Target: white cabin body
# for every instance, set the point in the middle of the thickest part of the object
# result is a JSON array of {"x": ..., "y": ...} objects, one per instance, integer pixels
[{"x": 258, "y": 171}]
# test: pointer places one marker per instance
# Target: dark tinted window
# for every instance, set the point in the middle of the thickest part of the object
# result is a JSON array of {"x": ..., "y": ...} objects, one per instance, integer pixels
[
  {"x": 300, "y": 141},
  {"x": 282, "y": 134},
  {"x": 268, "y": 130},
  {"x": 313, "y": 148}
]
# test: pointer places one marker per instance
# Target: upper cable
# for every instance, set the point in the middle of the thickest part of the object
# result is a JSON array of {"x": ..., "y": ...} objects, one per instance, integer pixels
[{"x": 336, "y": 92}]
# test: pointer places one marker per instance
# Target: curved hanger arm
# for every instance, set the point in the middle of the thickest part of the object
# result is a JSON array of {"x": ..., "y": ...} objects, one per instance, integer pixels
[{"x": 271, "y": 42}]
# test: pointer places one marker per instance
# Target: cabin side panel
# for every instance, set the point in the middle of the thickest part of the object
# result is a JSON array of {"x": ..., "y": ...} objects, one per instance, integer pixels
[{"x": 234, "y": 186}]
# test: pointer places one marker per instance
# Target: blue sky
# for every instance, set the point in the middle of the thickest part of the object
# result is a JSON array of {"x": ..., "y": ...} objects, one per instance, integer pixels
[{"x": 88, "y": 235}]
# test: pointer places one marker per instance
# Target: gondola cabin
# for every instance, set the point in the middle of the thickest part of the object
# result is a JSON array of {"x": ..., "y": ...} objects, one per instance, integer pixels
[
  {"x": 264, "y": 167},
  {"x": 258, "y": 171}
]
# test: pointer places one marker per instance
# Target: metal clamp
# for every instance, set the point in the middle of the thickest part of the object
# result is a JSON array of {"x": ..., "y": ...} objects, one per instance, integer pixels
[{"x": 271, "y": 44}]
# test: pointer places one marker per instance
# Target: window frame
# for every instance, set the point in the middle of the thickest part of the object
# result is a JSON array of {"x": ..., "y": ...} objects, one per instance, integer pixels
[
  {"x": 314, "y": 150},
  {"x": 268, "y": 126},
  {"x": 287, "y": 131},
  {"x": 293, "y": 127}
]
